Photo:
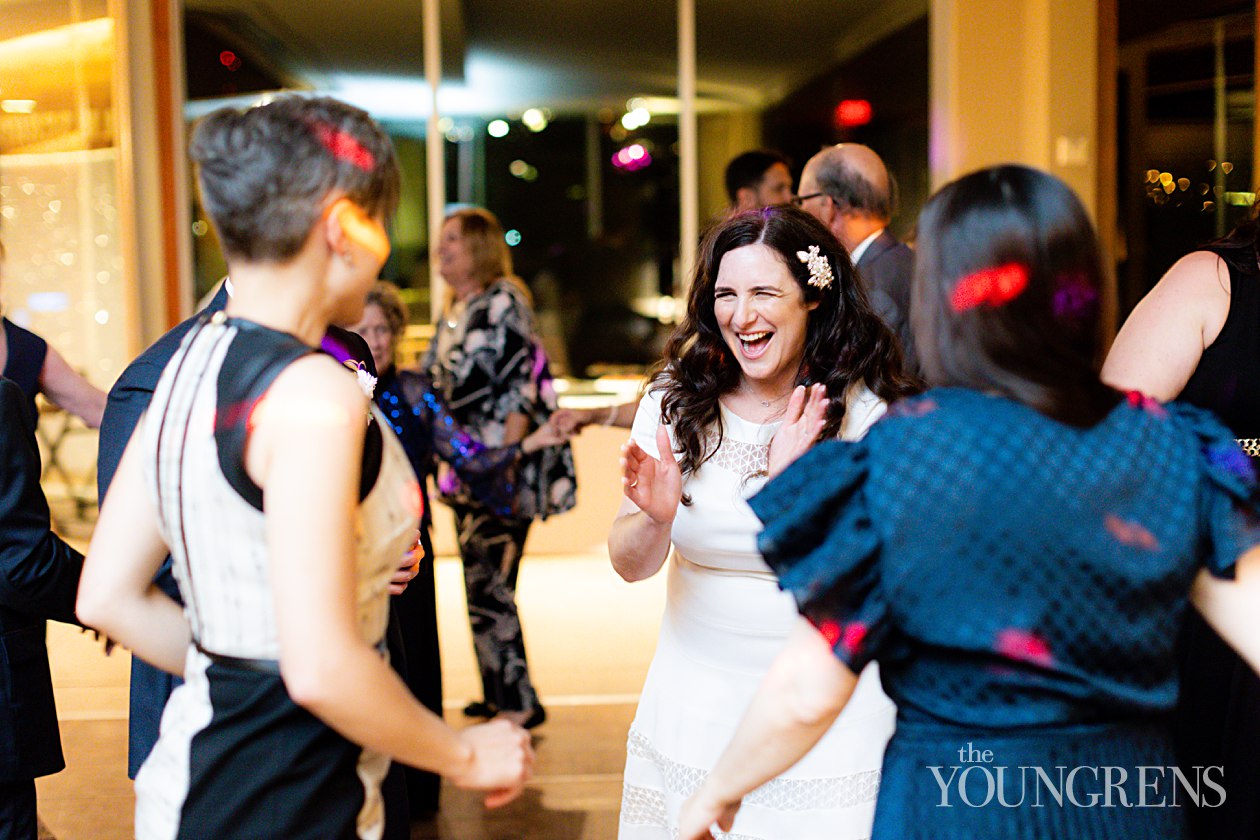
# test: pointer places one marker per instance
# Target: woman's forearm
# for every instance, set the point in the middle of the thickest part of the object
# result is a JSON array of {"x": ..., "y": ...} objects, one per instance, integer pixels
[
  {"x": 802, "y": 694},
  {"x": 638, "y": 545},
  {"x": 1230, "y": 606},
  {"x": 515, "y": 427},
  {"x": 150, "y": 624},
  {"x": 332, "y": 687}
]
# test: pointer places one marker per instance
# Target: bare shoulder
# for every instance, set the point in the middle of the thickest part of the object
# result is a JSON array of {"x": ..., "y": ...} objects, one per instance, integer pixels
[
  {"x": 315, "y": 389},
  {"x": 1198, "y": 275}
]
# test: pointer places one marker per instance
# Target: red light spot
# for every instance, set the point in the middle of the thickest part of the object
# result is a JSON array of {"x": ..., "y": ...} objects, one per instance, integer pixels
[
  {"x": 227, "y": 58},
  {"x": 916, "y": 407},
  {"x": 228, "y": 416},
  {"x": 1130, "y": 533},
  {"x": 1151, "y": 406},
  {"x": 1025, "y": 646},
  {"x": 343, "y": 146},
  {"x": 414, "y": 500},
  {"x": 853, "y": 635},
  {"x": 992, "y": 287},
  {"x": 830, "y": 631},
  {"x": 852, "y": 113}
]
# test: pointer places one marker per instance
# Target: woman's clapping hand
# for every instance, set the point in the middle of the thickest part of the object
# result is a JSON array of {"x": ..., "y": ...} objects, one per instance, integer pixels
[
  {"x": 654, "y": 485},
  {"x": 803, "y": 422}
]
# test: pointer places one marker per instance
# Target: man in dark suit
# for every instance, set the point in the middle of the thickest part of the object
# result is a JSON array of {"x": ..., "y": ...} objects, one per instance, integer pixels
[
  {"x": 150, "y": 687},
  {"x": 39, "y": 577},
  {"x": 848, "y": 189}
]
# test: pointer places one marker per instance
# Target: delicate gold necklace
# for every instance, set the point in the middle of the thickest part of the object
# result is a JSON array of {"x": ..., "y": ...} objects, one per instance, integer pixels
[{"x": 768, "y": 403}]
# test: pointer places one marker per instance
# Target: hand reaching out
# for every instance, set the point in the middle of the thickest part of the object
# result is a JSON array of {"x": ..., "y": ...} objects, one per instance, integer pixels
[
  {"x": 502, "y": 761},
  {"x": 803, "y": 422},
  {"x": 550, "y": 433},
  {"x": 654, "y": 485},
  {"x": 570, "y": 420}
]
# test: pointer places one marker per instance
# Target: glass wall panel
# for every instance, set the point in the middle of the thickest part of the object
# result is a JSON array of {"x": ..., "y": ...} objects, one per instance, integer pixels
[
  {"x": 63, "y": 271},
  {"x": 1187, "y": 97}
]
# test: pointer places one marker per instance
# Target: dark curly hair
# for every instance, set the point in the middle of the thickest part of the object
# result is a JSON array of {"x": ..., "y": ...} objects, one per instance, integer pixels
[{"x": 845, "y": 341}]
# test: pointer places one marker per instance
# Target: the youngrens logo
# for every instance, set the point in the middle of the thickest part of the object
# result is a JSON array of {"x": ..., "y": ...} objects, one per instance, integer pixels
[{"x": 978, "y": 782}]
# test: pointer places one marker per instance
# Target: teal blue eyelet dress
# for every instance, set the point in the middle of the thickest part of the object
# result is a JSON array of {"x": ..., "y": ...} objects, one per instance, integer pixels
[{"x": 1022, "y": 584}]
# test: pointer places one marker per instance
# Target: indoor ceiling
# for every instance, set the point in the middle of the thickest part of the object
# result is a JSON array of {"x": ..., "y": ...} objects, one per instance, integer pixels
[{"x": 502, "y": 57}]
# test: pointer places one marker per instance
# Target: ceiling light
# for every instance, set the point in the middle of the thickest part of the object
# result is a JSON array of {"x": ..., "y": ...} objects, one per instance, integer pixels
[
  {"x": 17, "y": 106},
  {"x": 535, "y": 120}
]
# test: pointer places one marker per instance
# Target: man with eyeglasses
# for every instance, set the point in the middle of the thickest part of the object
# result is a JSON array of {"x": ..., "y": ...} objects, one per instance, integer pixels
[{"x": 848, "y": 189}]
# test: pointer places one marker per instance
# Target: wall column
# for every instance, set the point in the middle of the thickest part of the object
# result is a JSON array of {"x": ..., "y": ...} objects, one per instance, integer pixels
[
  {"x": 153, "y": 172},
  {"x": 1016, "y": 81}
]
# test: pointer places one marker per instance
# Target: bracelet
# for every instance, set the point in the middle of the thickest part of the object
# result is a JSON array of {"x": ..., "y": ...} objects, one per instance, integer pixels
[{"x": 612, "y": 415}]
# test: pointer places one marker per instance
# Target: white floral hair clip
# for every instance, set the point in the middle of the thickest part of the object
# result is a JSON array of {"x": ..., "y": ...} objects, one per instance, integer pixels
[{"x": 819, "y": 269}]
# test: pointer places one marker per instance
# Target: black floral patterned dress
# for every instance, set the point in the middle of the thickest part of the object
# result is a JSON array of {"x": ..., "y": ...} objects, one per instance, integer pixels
[{"x": 486, "y": 364}]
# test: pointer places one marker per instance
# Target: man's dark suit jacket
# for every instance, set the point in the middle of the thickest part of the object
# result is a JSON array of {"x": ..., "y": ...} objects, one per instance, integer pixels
[
  {"x": 887, "y": 266},
  {"x": 39, "y": 577},
  {"x": 130, "y": 396}
]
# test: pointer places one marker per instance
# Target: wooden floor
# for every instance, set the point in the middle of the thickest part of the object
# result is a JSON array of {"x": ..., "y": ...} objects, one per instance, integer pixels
[
  {"x": 589, "y": 636},
  {"x": 575, "y": 795}
]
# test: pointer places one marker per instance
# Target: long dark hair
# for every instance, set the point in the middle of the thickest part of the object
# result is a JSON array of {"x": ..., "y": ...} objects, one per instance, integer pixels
[
  {"x": 1040, "y": 344},
  {"x": 845, "y": 341},
  {"x": 1240, "y": 248}
]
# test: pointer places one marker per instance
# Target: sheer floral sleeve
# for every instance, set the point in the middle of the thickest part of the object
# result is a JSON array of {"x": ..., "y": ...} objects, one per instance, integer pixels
[{"x": 488, "y": 472}]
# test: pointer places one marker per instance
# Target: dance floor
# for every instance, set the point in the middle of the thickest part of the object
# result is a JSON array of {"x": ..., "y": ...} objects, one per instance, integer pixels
[{"x": 589, "y": 637}]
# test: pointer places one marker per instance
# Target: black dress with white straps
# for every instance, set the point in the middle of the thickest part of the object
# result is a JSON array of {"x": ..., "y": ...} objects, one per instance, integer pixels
[{"x": 237, "y": 758}]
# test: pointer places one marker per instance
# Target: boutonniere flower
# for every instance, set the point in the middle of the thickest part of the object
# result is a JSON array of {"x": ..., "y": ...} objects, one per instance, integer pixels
[{"x": 366, "y": 381}]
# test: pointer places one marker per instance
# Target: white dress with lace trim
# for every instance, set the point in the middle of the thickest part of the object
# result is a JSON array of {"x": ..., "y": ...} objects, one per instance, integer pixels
[{"x": 725, "y": 621}]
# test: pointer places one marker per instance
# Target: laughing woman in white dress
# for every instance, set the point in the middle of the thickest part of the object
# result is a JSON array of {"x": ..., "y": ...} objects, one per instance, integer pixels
[{"x": 775, "y": 308}]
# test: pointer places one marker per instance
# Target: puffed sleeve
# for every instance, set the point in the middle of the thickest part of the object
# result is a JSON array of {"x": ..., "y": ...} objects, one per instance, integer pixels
[
  {"x": 820, "y": 541},
  {"x": 1229, "y": 504}
]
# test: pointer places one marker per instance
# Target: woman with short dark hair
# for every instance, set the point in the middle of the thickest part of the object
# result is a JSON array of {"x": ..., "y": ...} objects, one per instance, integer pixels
[
  {"x": 775, "y": 308},
  {"x": 285, "y": 503},
  {"x": 1017, "y": 548}
]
